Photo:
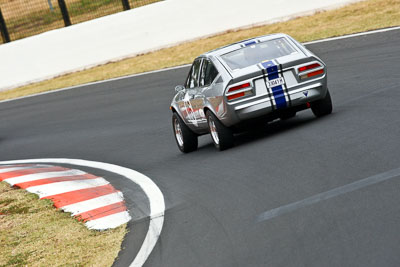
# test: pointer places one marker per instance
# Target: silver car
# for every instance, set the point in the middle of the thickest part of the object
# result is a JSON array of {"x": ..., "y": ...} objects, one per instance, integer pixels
[{"x": 260, "y": 79}]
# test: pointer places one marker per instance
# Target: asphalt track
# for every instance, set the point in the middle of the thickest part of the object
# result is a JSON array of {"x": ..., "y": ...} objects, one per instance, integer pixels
[{"x": 218, "y": 204}]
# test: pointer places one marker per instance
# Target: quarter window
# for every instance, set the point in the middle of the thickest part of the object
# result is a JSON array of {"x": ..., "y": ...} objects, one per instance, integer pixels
[
  {"x": 193, "y": 77},
  {"x": 208, "y": 73}
]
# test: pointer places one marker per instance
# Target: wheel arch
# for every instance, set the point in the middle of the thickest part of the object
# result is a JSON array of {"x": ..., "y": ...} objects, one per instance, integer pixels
[
  {"x": 209, "y": 107},
  {"x": 175, "y": 110}
]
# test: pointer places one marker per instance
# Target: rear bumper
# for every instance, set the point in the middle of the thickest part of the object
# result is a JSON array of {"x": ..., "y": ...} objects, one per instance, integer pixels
[{"x": 264, "y": 105}]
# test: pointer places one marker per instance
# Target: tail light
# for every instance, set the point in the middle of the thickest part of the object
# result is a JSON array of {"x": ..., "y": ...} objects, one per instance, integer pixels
[
  {"x": 238, "y": 91},
  {"x": 309, "y": 71}
]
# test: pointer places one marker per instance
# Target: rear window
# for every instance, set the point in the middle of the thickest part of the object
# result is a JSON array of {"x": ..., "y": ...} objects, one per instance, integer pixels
[{"x": 258, "y": 52}]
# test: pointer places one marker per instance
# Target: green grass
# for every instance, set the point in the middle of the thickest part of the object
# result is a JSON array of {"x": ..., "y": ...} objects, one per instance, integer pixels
[{"x": 34, "y": 233}]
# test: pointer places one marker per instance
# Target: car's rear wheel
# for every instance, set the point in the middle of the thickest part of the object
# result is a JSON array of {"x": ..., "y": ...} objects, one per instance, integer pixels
[
  {"x": 185, "y": 138},
  {"x": 323, "y": 106},
  {"x": 221, "y": 135}
]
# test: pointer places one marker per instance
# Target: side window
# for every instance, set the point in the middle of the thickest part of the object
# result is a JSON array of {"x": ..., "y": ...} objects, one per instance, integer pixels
[
  {"x": 193, "y": 77},
  {"x": 203, "y": 72},
  {"x": 189, "y": 77},
  {"x": 208, "y": 73}
]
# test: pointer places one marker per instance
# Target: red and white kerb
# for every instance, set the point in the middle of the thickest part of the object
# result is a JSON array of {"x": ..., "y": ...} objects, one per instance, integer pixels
[{"x": 87, "y": 197}]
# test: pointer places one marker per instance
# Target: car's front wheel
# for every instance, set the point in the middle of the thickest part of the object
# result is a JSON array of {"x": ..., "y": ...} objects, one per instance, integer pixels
[
  {"x": 221, "y": 135},
  {"x": 323, "y": 106},
  {"x": 185, "y": 138}
]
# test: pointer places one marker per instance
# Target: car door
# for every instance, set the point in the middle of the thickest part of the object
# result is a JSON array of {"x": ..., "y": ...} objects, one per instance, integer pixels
[
  {"x": 198, "y": 99},
  {"x": 208, "y": 74},
  {"x": 191, "y": 86}
]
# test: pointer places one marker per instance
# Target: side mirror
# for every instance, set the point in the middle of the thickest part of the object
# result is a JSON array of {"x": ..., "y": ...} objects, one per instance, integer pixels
[{"x": 179, "y": 88}]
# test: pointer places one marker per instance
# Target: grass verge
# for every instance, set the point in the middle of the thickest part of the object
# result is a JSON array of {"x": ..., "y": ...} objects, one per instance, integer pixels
[
  {"x": 33, "y": 233},
  {"x": 358, "y": 17}
]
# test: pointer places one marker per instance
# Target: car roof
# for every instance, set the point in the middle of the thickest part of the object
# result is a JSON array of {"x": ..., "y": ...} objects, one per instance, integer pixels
[{"x": 232, "y": 47}]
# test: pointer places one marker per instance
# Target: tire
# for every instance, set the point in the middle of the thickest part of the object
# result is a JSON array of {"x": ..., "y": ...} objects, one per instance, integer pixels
[
  {"x": 323, "y": 106},
  {"x": 221, "y": 135},
  {"x": 184, "y": 137}
]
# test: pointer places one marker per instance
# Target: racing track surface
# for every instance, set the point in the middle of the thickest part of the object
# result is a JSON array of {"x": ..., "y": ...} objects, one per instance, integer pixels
[{"x": 214, "y": 199}]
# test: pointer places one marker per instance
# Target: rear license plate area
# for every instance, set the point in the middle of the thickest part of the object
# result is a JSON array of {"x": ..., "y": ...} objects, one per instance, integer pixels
[{"x": 275, "y": 82}]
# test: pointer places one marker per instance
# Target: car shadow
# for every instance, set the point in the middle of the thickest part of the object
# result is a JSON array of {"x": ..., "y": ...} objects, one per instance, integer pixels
[
  {"x": 276, "y": 127},
  {"x": 270, "y": 129}
]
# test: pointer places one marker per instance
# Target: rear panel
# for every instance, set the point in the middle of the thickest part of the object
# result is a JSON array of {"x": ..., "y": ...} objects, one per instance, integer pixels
[{"x": 276, "y": 85}]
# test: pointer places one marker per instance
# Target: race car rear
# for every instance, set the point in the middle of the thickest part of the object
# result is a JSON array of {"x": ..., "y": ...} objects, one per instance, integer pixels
[{"x": 272, "y": 77}]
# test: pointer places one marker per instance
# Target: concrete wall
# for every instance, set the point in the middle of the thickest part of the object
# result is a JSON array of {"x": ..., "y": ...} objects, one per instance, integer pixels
[{"x": 137, "y": 31}]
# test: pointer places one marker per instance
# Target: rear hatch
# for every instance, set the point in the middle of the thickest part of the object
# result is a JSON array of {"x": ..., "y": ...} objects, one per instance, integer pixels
[{"x": 258, "y": 64}]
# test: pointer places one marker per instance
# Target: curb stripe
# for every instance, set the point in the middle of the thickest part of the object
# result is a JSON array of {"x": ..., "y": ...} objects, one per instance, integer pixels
[
  {"x": 30, "y": 170},
  {"x": 101, "y": 212},
  {"x": 64, "y": 199},
  {"x": 111, "y": 221},
  {"x": 55, "y": 180},
  {"x": 63, "y": 187},
  {"x": 59, "y": 183},
  {"x": 152, "y": 191},
  {"x": 42, "y": 175},
  {"x": 13, "y": 168},
  {"x": 24, "y": 165},
  {"x": 93, "y": 203}
]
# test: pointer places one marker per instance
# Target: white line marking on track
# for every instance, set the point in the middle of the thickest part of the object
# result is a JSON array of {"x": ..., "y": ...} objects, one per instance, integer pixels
[
  {"x": 64, "y": 187},
  {"x": 154, "y": 194},
  {"x": 328, "y": 194},
  {"x": 187, "y": 65},
  {"x": 42, "y": 175},
  {"x": 94, "y": 203}
]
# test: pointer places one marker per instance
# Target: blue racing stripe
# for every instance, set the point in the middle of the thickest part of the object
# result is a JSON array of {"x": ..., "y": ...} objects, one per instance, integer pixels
[{"x": 277, "y": 91}]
